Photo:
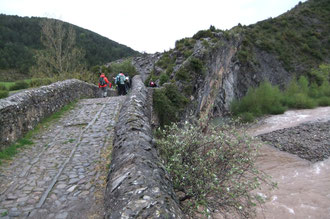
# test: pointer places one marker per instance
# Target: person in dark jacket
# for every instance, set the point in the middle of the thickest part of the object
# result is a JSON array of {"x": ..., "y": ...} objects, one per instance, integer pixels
[{"x": 103, "y": 84}]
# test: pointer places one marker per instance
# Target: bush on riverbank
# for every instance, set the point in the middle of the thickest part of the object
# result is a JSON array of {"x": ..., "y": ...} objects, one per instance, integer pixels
[
  {"x": 213, "y": 169},
  {"x": 299, "y": 94}
]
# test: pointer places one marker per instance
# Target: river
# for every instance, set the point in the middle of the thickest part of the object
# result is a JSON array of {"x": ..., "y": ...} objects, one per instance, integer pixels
[{"x": 303, "y": 187}]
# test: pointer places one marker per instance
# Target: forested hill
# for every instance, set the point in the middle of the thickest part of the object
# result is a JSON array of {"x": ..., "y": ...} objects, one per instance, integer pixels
[{"x": 20, "y": 37}]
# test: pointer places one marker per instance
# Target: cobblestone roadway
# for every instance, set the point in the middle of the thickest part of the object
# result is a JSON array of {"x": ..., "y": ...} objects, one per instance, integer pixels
[{"x": 62, "y": 175}]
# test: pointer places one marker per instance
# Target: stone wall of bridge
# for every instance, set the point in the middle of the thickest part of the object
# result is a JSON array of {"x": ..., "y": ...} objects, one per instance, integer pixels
[
  {"x": 21, "y": 112},
  {"x": 138, "y": 185}
]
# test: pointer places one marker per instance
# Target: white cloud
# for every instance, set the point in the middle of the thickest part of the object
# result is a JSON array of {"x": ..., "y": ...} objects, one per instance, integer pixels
[{"x": 149, "y": 25}]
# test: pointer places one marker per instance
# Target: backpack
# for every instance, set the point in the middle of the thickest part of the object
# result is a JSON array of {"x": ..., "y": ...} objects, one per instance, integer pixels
[
  {"x": 102, "y": 81},
  {"x": 120, "y": 79}
]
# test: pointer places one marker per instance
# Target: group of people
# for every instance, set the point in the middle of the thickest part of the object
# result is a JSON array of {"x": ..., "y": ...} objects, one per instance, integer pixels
[{"x": 122, "y": 82}]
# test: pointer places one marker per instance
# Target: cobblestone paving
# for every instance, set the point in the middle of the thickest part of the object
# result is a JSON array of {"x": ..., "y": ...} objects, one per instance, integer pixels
[{"x": 63, "y": 174}]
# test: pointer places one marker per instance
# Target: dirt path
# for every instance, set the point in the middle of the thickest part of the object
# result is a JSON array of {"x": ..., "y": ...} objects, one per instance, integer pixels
[{"x": 63, "y": 174}]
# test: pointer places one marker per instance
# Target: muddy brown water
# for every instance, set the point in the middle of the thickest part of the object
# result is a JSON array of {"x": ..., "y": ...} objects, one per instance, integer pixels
[{"x": 303, "y": 187}]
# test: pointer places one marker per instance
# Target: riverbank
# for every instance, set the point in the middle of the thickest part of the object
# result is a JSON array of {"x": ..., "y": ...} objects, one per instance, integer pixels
[{"x": 310, "y": 141}]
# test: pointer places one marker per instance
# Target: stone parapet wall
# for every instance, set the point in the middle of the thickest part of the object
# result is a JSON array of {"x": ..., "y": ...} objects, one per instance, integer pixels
[
  {"x": 138, "y": 185},
  {"x": 21, "y": 112}
]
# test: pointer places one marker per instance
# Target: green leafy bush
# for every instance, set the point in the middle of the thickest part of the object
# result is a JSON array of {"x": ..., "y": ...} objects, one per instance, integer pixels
[
  {"x": 163, "y": 78},
  {"x": 125, "y": 67},
  {"x": 299, "y": 94},
  {"x": 300, "y": 101},
  {"x": 3, "y": 87},
  {"x": 4, "y": 93},
  {"x": 37, "y": 82},
  {"x": 182, "y": 75},
  {"x": 265, "y": 99},
  {"x": 196, "y": 65},
  {"x": 168, "y": 103},
  {"x": 19, "y": 85},
  {"x": 203, "y": 34},
  {"x": 213, "y": 169},
  {"x": 324, "y": 101}
]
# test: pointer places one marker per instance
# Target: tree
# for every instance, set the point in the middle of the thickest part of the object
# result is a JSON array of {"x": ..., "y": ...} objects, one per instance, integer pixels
[{"x": 61, "y": 57}]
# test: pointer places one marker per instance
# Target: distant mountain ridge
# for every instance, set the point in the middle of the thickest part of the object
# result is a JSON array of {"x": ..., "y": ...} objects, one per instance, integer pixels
[{"x": 20, "y": 37}]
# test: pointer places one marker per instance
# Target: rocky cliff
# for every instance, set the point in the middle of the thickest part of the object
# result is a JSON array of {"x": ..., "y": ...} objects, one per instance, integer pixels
[{"x": 214, "y": 67}]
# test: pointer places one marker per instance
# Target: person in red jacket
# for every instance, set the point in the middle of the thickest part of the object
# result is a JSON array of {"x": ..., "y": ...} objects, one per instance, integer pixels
[{"x": 103, "y": 84}]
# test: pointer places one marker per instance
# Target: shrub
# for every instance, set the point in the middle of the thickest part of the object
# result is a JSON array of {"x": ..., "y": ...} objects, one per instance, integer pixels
[
  {"x": 168, "y": 103},
  {"x": 3, "y": 87},
  {"x": 19, "y": 85},
  {"x": 187, "y": 53},
  {"x": 265, "y": 99},
  {"x": 247, "y": 117},
  {"x": 203, "y": 34},
  {"x": 4, "y": 93},
  {"x": 321, "y": 74},
  {"x": 37, "y": 82},
  {"x": 164, "y": 108},
  {"x": 182, "y": 75},
  {"x": 205, "y": 43},
  {"x": 324, "y": 101},
  {"x": 213, "y": 169},
  {"x": 125, "y": 67},
  {"x": 163, "y": 78},
  {"x": 300, "y": 101},
  {"x": 164, "y": 61},
  {"x": 324, "y": 89},
  {"x": 196, "y": 65}
]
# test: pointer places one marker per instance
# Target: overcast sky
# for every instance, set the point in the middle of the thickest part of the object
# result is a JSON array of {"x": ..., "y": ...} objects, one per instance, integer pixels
[{"x": 150, "y": 25}]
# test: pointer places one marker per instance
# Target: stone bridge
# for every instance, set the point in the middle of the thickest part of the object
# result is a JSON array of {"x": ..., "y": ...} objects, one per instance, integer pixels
[{"x": 67, "y": 172}]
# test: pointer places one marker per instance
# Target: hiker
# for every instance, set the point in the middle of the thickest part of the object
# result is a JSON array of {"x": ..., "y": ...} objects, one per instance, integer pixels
[
  {"x": 120, "y": 82},
  {"x": 152, "y": 84},
  {"x": 127, "y": 84},
  {"x": 103, "y": 84}
]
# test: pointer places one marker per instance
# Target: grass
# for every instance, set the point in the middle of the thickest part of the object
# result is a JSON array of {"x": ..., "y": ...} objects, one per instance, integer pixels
[
  {"x": 9, "y": 152},
  {"x": 6, "y": 84}
]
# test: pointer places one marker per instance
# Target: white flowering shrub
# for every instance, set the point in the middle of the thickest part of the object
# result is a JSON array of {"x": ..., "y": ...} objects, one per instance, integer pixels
[{"x": 213, "y": 168}]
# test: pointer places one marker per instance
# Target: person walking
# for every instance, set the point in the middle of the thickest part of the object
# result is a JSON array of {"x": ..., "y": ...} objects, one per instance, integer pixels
[
  {"x": 120, "y": 82},
  {"x": 103, "y": 84}
]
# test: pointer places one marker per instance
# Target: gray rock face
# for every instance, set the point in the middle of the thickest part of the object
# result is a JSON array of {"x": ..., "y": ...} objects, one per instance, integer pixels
[
  {"x": 21, "y": 112},
  {"x": 228, "y": 79},
  {"x": 138, "y": 185},
  {"x": 145, "y": 64}
]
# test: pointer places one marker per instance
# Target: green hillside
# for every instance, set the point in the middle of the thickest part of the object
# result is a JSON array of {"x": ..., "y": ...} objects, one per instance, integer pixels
[
  {"x": 299, "y": 38},
  {"x": 20, "y": 38}
]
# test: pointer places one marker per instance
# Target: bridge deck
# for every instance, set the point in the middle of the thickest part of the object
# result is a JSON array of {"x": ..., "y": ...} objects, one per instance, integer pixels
[{"x": 63, "y": 174}]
